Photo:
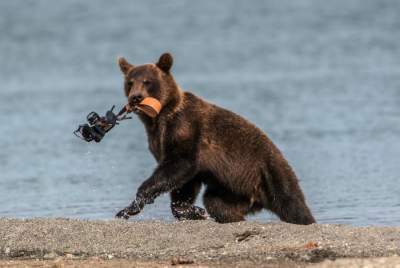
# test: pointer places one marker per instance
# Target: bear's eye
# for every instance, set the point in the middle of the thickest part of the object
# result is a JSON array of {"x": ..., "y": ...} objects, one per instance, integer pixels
[
  {"x": 129, "y": 84},
  {"x": 146, "y": 82}
]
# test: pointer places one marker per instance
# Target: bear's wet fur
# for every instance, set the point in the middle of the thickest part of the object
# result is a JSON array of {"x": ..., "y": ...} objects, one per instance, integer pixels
[{"x": 197, "y": 143}]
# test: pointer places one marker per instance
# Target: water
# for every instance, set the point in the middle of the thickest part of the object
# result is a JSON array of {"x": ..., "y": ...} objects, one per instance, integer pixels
[{"x": 321, "y": 78}]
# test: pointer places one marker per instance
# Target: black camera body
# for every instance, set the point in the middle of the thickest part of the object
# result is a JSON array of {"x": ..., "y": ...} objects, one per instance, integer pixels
[{"x": 98, "y": 126}]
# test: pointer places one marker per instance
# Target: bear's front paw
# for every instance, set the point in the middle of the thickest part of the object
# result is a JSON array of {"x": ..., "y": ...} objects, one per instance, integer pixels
[{"x": 132, "y": 210}]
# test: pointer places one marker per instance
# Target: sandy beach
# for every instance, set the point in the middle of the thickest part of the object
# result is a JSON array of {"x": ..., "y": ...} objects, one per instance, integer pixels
[{"x": 115, "y": 243}]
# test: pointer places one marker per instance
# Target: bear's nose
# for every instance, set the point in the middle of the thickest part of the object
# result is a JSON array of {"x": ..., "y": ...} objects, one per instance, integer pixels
[{"x": 135, "y": 99}]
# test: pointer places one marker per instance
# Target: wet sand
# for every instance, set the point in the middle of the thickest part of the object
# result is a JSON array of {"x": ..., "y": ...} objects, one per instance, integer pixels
[{"x": 115, "y": 243}]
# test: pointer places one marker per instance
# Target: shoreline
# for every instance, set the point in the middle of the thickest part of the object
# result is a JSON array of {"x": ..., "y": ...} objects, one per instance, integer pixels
[{"x": 205, "y": 243}]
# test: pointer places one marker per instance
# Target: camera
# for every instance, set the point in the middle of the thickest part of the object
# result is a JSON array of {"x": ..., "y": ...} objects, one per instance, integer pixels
[{"x": 98, "y": 126}]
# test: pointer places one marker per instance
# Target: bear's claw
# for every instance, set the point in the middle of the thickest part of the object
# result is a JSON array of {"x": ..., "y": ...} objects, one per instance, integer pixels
[
  {"x": 122, "y": 214},
  {"x": 127, "y": 212}
]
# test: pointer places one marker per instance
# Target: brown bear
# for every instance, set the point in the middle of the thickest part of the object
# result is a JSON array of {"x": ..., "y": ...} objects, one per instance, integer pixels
[{"x": 197, "y": 143}]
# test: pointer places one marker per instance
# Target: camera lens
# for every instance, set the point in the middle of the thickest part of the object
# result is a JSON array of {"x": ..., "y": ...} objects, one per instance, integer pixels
[
  {"x": 92, "y": 118},
  {"x": 86, "y": 132}
]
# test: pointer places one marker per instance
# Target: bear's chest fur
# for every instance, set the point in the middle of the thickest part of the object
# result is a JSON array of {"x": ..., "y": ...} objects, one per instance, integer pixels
[
  {"x": 165, "y": 134},
  {"x": 156, "y": 133},
  {"x": 155, "y": 147}
]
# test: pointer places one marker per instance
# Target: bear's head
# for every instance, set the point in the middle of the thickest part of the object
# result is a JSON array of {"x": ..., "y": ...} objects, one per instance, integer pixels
[{"x": 150, "y": 80}]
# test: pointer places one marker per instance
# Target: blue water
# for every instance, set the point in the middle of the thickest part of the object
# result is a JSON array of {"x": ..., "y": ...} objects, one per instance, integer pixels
[{"x": 321, "y": 78}]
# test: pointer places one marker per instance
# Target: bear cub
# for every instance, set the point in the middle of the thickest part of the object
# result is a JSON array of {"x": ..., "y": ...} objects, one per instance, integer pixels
[{"x": 197, "y": 143}]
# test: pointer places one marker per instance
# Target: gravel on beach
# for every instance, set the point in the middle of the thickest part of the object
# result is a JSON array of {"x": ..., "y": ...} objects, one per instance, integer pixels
[{"x": 193, "y": 243}]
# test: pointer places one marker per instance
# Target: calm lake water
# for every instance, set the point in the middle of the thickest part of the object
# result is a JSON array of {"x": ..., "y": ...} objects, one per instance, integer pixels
[{"x": 321, "y": 78}]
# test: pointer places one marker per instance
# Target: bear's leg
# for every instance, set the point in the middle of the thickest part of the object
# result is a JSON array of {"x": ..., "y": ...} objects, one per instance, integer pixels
[
  {"x": 288, "y": 203},
  {"x": 292, "y": 210},
  {"x": 224, "y": 206},
  {"x": 182, "y": 200}
]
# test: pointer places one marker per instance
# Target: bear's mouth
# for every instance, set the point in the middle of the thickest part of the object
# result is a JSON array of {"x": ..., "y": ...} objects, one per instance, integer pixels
[
  {"x": 149, "y": 106},
  {"x": 133, "y": 108},
  {"x": 136, "y": 110}
]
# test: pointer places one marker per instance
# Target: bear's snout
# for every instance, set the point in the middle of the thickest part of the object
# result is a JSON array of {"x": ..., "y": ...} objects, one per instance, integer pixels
[{"x": 135, "y": 99}]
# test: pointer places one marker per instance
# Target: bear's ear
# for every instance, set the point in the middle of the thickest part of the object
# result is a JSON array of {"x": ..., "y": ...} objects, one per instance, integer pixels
[
  {"x": 165, "y": 62},
  {"x": 124, "y": 65}
]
